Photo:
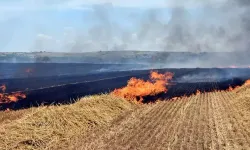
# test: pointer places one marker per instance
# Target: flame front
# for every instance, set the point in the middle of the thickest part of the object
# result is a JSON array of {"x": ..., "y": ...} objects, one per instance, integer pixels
[
  {"x": 247, "y": 82},
  {"x": 13, "y": 97},
  {"x": 137, "y": 89}
]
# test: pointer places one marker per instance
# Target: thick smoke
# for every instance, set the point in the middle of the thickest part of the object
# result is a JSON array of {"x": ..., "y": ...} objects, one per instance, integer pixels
[
  {"x": 208, "y": 26},
  {"x": 245, "y": 19},
  {"x": 181, "y": 26}
]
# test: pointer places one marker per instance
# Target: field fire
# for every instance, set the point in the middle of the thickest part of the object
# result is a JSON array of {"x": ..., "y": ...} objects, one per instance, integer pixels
[
  {"x": 157, "y": 87},
  {"x": 137, "y": 88},
  {"x": 131, "y": 75},
  {"x": 12, "y": 97},
  {"x": 144, "y": 86}
]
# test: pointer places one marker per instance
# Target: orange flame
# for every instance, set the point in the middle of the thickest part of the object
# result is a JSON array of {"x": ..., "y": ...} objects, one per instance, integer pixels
[
  {"x": 198, "y": 92},
  {"x": 247, "y": 82},
  {"x": 136, "y": 89},
  {"x": 13, "y": 97},
  {"x": 230, "y": 88}
]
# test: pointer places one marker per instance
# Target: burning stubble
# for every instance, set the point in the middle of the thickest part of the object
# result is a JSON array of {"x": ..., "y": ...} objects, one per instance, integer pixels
[
  {"x": 12, "y": 97},
  {"x": 137, "y": 89}
]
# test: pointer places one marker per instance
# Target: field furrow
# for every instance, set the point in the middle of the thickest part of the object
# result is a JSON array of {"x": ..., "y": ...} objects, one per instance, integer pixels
[
  {"x": 239, "y": 129},
  {"x": 202, "y": 121}
]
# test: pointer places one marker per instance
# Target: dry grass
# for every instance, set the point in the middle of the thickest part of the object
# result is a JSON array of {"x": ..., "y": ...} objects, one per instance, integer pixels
[
  {"x": 216, "y": 120},
  {"x": 8, "y": 116},
  {"x": 242, "y": 98},
  {"x": 52, "y": 127}
]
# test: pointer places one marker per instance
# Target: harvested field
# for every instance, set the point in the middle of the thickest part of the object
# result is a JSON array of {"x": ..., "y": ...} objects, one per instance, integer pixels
[
  {"x": 53, "y": 127},
  {"x": 44, "y": 90},
  {"x": 212, "y": 120},
  {"x": 217, "y": 120}
]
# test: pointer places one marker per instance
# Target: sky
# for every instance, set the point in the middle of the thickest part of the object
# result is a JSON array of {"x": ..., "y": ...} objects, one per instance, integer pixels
[{"x": 74, "y": 25}]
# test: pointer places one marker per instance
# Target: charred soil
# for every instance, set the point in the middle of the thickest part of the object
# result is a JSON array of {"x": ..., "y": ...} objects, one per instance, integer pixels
[{"x": 44, "y": 90}]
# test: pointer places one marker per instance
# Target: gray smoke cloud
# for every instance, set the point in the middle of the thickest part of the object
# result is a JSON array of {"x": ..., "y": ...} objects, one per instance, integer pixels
[{"x": 194, "y": 26}]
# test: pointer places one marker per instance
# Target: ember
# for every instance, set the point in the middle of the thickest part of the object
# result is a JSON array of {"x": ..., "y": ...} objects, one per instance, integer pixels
[
  {"x": 198, "y": 92},
  {"x": 230, "y": 88}
]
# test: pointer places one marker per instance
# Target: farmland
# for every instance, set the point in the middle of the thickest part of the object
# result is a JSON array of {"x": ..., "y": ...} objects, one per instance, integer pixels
[
  {"x": 212, "y": 120},
  {"x": 216, "y": 120},
  {"x": 41, "y": 90}
]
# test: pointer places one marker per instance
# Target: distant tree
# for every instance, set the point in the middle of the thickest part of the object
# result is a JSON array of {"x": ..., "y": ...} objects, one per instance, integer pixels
[{"x": 42, "y": 59}]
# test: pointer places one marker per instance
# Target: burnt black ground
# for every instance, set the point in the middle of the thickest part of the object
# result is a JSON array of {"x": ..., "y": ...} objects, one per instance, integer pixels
[
  {"x": 64, "y": 89},
  {"x": 33, "y": 70}
]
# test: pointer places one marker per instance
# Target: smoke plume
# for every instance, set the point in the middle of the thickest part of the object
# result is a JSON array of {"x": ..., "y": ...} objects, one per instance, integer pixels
[
  {"x": 194, "y": 26},
  {"x": 175, "y": 26}
]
